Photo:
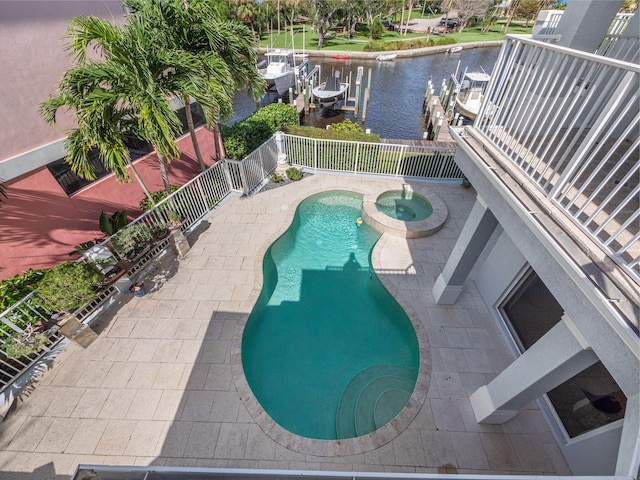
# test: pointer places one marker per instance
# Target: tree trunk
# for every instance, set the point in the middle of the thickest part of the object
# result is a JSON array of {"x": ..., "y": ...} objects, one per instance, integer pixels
[
  {"x": 139, "y": 180},
  {"x": 192, "y": 132},
  {"x": 320, "y": 37},
  {"x": 409, "y": 17},
  {"x": 217, "y": 140},
  {"x": 163, "y": 172},
  {"x": 512, "y": 11}
]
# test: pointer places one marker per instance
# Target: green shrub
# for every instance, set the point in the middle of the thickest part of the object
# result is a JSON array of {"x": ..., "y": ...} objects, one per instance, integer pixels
[
  {"x": 294, "y": 174},
  {"x": 346, "y": 126},
  {"x": 277, "y": 178},
  {"x": 158, "y": 196},
  {"x": 324, "y": 134},
  {"x": 14, "y": 289},
  {"x": 242, "y": 138},
  {"x": 376, "y": 29},
  {"x": 382, "y": 46},
  {"x": 276, "y": 116},
  {"x": 69, "y": 285}
]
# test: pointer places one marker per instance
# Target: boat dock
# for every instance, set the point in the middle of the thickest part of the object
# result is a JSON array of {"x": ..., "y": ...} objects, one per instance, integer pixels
[
  {"x": 356, "y": 100},
  {"x": 438, "y": 112}
]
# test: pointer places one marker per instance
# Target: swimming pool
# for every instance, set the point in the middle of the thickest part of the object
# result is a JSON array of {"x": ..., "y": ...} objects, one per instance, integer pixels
[{"x": 327, "y": 351}]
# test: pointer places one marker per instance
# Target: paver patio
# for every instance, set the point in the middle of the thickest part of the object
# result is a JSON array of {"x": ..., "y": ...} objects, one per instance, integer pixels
[{"x": 157, "y": 386}]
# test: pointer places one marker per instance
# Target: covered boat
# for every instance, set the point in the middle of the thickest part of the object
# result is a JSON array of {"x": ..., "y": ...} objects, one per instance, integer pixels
[{"x": 329, "y": 92}]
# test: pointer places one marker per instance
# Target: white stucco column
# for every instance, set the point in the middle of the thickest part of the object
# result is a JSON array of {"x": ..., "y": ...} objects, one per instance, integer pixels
[
  {"x": 474, "y": 236},
  {"x": 582, "y": 27},
  {"x": 629, "y": 452},
  {"x": 559, "y": 355}
]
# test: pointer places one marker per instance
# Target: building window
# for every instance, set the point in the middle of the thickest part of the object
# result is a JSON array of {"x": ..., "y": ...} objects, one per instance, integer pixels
[
  {"x": 196, "y": 113},
  {"x": 589, "y": 400},
  {"x": 71, "y": 183}
]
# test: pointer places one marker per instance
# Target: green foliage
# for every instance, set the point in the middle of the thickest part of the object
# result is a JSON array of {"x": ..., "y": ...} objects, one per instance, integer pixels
[
  {"x": 277, "y": 178},
  {"x": 18, "y": 346},
  {"x": 242, "y": 138},
  {"x": 381, "y": 45},
  {"x": 145, "y": 203},
  {"x": 131, "y": 238},
  {"x": 84, "y": 246},
  {"x": 14, "y": 289},
  {"x": 321, "y": 133},
  {"x": 276, "y": 116},
  {"x": 376, "y": 29},
  {"x": 69, "y": 285},
  {"x": 115, "y": 222},
  {"x": 294, "y": 174},
  {"x": 346, "y": 126}
]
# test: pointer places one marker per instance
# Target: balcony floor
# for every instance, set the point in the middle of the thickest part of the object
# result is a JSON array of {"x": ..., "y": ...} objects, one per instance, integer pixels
[{"x": 157, "y": 386}]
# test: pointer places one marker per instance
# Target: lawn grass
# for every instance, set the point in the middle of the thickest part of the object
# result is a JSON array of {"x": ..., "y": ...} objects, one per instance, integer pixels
[{"x": 339, "y": 41}]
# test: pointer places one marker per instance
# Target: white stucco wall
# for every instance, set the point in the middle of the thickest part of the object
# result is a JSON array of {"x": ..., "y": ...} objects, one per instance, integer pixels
[{"x": 33, "y": 60}]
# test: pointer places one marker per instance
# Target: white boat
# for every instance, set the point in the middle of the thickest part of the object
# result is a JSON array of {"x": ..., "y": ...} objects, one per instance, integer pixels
[
  {"x": 280, "y": 70},
  {"x": 329, "y": 92},
  {"x": 455, "y": 49},
  {"x": 470, "y": 93},
  {"x": 386, "y": 58}
]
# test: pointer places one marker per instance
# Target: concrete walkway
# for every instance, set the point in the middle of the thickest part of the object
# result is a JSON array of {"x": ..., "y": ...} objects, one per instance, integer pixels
[{"x": 157, "y": 386}]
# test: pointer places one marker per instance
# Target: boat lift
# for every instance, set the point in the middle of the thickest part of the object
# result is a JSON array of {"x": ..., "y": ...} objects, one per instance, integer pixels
[{"x": 305, "y": 100}]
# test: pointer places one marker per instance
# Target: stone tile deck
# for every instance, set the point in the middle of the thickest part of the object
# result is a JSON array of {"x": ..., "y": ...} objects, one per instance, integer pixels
[{"x": 158, "y": 386}]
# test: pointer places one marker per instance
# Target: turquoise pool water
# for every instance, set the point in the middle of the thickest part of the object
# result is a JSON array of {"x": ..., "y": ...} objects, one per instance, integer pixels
[
  {"x": 407, "y": 206},
  {"x": 327, "y": 351}
]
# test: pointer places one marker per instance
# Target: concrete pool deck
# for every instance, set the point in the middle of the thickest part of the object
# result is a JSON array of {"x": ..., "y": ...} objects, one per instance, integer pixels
[{"x": 159, "y": 385}]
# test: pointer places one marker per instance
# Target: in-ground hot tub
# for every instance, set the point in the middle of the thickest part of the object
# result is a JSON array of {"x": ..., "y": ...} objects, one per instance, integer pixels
[
  {"x": 404, "y": 205},
  {"x": 411, "y": 212}
]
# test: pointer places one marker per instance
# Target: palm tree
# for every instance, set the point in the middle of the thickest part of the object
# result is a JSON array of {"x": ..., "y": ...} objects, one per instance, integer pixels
[
  {"x": 227, "y": 50},
  {"x": 125, "y": 92}
]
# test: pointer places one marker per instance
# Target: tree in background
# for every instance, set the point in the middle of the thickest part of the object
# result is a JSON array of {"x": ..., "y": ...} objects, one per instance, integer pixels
[
  {"x": 527, "y": 9},
  {"x": 245, "y": 11},
  {"x": 327, "y": 14},
  {"x": 467, "y": 9}
]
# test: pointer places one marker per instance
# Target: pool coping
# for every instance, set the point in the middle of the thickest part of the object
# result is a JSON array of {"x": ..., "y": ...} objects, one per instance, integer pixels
[
  {"x": 400, "y": 228},
  {"x": 342, "y": 447}
]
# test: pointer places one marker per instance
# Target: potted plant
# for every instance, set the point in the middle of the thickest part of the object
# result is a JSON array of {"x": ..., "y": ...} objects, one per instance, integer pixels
[
  {"x": 137, "y": 289},
  {"x": 131, "y": 240},
  {"x": 176, "y": 236}
]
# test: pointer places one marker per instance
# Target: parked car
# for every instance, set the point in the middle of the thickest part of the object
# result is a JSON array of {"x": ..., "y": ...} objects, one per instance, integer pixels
[
  {"x": 388, "y": 25},
  {"x": 451, "y": 23}
]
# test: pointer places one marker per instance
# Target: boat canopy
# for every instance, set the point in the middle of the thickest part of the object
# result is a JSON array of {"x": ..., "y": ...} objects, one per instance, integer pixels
[{"x": 478, "y": 76}]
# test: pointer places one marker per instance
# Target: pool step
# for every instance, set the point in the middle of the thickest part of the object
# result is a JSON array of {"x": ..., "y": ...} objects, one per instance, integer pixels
[{"x": 372, "y": 398}]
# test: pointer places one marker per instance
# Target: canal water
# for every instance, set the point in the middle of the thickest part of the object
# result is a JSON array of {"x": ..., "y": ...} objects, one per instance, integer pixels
[{"x": 397, "y": 90}]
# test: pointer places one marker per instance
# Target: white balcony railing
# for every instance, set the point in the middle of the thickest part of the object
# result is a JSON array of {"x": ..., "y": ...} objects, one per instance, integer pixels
[{"x": 571, "y": 121}]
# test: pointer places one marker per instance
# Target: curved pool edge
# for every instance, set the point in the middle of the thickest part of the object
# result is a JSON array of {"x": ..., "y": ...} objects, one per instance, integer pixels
[{"x": 342, "y": 447}]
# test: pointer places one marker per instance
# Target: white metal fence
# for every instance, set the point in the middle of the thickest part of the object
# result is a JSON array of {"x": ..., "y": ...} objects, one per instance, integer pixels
[
  {"x": 570, "y": 121},
  {"x": 618, "y": 44},
  {"x": 196, "y": 199},
  {"x": 436, "y": 163}
]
